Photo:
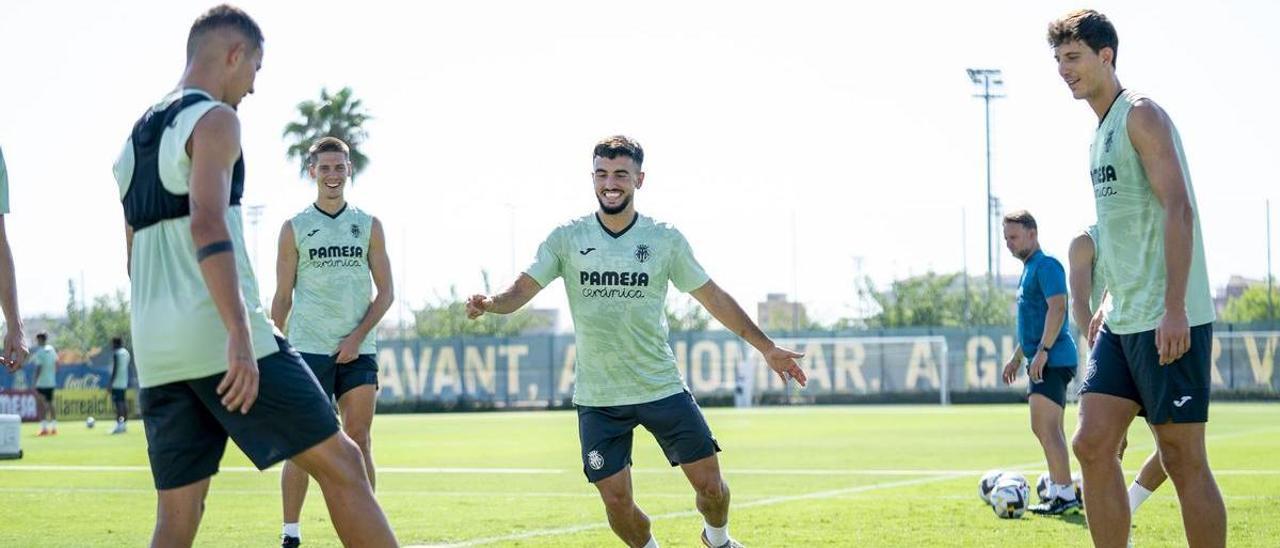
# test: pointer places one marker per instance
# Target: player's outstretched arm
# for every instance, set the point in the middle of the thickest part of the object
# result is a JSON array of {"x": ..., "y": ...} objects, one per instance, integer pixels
[
  {"x": 1151, "y": 133},
  {"x": 286, "y": 277},
  {"x": 1080, "y": 279},
  {"x": 520, "y": 292},
  {"x": 380, "y": 269},
  {"x": 215, "y": 146},
  {"x": 15, "y": 341},
  {"x": 726, "y": 310}
]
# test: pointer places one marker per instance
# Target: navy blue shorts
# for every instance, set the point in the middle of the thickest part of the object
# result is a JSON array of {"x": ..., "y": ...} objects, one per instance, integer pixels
[
  {"x": 47, "y": 393},
  {"x": 1128, "y": 366},
  {"x": 117, "y": 395},
  {"x": 336, "y": 379},
  {"x": 675, "y": 421},
  {"x": 1053, "y": 384},
  {"x": 187, "y": 426}
]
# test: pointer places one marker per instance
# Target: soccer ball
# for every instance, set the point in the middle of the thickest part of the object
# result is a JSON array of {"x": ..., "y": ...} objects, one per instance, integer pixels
[
  {"x": 987, "y": 483},
  {"x": 1042, "y": 487},
  {"x": 89, "y": 422},
  {"x": 1009, "y": 497}
]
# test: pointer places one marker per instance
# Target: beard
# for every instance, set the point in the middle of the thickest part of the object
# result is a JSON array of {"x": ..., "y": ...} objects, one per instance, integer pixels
[{"x": 614, "y": 210}]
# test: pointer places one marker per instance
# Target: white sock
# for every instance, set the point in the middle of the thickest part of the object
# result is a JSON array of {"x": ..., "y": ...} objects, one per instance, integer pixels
[
  {"x": 718, "y": 536},
  {"x": 1066, "y": 492},
  {"x": 653, "y": 542},
  {"x": 44, "y": 425},
  {"x": 1137, "y": 495},
  {"x": 54, "y": 424},
  {"x": 292, "y": 530}
]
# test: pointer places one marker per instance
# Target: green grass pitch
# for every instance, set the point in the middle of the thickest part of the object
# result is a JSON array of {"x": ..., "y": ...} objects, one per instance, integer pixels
[{"x": 800, "y": 476}]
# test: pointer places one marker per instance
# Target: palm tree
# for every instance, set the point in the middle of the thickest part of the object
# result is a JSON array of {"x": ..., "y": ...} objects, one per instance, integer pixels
[{"x": 336, "y": 115}]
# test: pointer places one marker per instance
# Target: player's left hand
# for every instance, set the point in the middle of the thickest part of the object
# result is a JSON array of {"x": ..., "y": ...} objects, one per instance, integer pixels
[
  {"x": 1173, "y": 336},
  {"x": 1095, "y": 325},
  {"x": 1036, "y": 370},
  {"x": 783, "y": 362},
  {"x": 15, "y": 350},
  {"x": 348, "y": 350}
]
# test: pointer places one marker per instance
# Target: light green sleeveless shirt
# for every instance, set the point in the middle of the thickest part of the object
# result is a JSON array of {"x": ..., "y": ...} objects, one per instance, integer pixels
[
  {"x": 177, "y": 332},
  {"x": 1130, "y": 236},
  {"x": 334, "y": 288}
]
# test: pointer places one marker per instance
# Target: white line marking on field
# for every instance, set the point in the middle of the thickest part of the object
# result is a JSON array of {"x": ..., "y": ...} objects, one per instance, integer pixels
[
  {"x": 381, "y": 492},
  {"x": 769, "y": 501},
  {"x": 552, "y": 471},
  {"x": 381, "y": 469}
]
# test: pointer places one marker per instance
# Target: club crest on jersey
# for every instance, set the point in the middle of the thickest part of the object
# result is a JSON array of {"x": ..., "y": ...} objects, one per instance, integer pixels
[
  {"x": 355, "y": 230},
  {"x": 1106, "y": 142},
  {"x": 642, "y": 253},
  {"x": 595, "y": 460}
]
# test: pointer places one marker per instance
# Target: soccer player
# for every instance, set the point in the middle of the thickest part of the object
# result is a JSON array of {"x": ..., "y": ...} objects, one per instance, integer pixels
[
  {"x": 1085, "y": 269},
  {"x": 46, "y": 360},
  {"x": 1153, "y": 351},
  {"x": 119, "y": 383},
  {"x": 209, "y": 364},
  {"x": 1043, "y": 337},
  {"x": 328, "y": 253},
  {"x": 616, "y": 266},
  {"x": 15, "y": 342}
]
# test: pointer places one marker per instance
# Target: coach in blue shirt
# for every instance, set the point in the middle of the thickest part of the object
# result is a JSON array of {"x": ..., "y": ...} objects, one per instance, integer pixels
[{"x": 1043, "y": 337}]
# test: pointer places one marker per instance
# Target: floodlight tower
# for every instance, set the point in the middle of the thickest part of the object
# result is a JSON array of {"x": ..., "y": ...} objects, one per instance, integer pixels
[{"x": 989, "y": 84}]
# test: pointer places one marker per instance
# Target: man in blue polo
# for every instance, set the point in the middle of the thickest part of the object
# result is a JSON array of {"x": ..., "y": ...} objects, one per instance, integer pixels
[{"x": 1043, "y": 338}]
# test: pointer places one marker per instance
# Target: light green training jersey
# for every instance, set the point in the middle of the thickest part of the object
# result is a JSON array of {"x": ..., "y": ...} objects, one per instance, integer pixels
[
  {"x": 617, "y": 286},
  {"x": 4, "y": 186},
  {"x": 120, "y": 369},
  {"x": 47, "y": 358},
  {"x": 1131, "y": 230},
  {"x": 333, "y": 289},
  {"x": 177, "y": 332}
]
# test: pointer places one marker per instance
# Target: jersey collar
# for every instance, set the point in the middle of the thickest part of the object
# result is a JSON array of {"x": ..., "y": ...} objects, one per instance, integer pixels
[
  {"x": 618, "y": 234},
  {"x": 335, "y": 215},
  {"x": 1113, "y": 105}
]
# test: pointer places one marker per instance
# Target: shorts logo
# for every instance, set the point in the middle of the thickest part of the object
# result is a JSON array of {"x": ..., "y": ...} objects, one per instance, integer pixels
[
  {"x": 1181, "y": 401},
  {"x": 594, "y": 460},
  {"x": 642, "y": 253}
]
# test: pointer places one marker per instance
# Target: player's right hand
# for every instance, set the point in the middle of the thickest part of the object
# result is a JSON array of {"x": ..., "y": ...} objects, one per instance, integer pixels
[
  {"x": 239, "y": 386},
  {"x": 477, "y": 305},
  {"x": 1011, "y": 371},
  {"x": 15, "y": 350}
]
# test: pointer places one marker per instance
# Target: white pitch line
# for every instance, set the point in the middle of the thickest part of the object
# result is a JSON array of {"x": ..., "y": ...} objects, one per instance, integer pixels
[
  {"x": 381, "y": 492},
  {"x": 552, "y": 471},
  {"x": 381, "y": 469},
  {"x": 777, "y": 500},
  {"x": 769, "y": 501}
]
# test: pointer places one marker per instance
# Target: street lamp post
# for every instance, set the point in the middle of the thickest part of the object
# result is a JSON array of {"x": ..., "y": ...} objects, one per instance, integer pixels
[{"x": 990, "y": 85}]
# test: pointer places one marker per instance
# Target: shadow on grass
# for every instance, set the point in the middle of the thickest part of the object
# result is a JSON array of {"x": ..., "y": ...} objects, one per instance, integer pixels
[{"x": 1074, "y": 519}]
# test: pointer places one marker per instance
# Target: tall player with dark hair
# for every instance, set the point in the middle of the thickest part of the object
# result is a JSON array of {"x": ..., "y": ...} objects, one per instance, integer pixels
[
  {"x": 209, "y": 364},
  {"x": 1154, "y": 349}
]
